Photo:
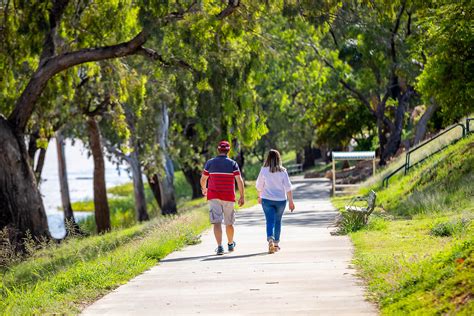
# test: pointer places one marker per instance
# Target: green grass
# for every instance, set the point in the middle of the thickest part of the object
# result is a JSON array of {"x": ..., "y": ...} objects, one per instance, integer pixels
[
  {"x": 62, "y": 279},
  {"x": 122, "y": 204},
  {"x": 417, "y": 155},
  {"x": 417, "y": 252}
]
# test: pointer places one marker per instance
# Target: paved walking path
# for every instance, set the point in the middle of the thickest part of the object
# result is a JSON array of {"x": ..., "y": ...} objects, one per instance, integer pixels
[{"x": 310, "y": 276}]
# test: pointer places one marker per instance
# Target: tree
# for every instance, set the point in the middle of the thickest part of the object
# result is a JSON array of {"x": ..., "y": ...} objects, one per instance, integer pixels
[
  {"x": 21, "y": 205},
  {"x": 69, "y": 220},
  {"x": 444, "y": 47}
]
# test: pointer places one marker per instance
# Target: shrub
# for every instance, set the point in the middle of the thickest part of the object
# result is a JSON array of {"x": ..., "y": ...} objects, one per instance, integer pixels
[
  {"x": 348, "y": 222},
  {"x": 446, "y": 229}
]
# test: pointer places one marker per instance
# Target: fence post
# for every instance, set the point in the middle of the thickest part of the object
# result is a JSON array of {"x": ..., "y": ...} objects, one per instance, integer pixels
[
  {"x": 333, "y": 176},
  {"x": 407, "y": 162}
]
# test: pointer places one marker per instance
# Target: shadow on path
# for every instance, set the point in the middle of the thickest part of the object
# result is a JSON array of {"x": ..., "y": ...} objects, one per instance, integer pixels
[
  {"x": 214, "y": 257},
  {"x": 320, "y": 219},
  {"x": 236, "y": 257},
  {"x": 314, "y": 190}
]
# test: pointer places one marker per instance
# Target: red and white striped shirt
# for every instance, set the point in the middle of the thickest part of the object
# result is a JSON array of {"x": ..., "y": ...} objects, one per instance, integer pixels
[{"x": 221, "y": 183}]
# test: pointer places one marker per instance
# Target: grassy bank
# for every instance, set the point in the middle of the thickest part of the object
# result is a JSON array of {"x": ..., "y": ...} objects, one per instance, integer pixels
[
  {"x": 62, "y": 279},
  {"x": 417, "y": 253}
]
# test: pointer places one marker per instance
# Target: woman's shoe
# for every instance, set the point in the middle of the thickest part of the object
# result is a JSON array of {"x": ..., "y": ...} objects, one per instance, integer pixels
[
  {"x": 277, "y": 248},
  {"x": 271, "y": 247}
]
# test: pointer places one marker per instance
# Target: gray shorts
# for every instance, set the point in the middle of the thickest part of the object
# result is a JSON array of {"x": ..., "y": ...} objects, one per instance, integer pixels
[{"x": 221, "y": 210}]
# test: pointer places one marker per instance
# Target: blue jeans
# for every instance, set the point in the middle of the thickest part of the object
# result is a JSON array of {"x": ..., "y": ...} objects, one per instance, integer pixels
[{"x": 273, "y": 213}]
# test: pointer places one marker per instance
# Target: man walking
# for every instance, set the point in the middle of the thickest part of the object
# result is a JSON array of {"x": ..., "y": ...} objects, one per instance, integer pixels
[{"x": 220, "y": 191}]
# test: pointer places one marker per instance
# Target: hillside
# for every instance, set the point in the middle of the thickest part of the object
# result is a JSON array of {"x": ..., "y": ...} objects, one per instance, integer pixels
[{"x": 416, "y": 253}]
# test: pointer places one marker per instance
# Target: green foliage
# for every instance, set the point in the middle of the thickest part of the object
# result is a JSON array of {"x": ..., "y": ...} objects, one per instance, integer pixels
[
  {"x": 350, "y": 222},
  {"x": 450, "y": 228},
  {"x": 446, "y": 46}
]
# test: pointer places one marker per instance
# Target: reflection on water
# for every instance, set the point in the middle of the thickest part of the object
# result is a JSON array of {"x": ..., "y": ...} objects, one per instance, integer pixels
[{"x": 80, "y": 172}]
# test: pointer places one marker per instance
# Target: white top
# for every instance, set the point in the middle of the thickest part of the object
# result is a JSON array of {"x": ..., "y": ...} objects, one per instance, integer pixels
[{"x": 273, "y": 186}]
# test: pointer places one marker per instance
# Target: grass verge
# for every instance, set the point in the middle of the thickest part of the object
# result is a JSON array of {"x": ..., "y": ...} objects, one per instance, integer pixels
[
  {"x": 62, "y": 279},
  {"x": 417, "y": 252}
]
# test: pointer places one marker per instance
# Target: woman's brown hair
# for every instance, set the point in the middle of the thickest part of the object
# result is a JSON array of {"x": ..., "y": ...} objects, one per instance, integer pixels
[{"x": 273, "y": 161}]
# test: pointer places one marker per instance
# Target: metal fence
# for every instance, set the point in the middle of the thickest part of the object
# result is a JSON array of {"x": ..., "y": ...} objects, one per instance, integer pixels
[{"x": 431, "y": 146}]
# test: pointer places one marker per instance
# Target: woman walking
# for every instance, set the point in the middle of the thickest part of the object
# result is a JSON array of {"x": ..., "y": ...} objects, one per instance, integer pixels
[{"x": 274, "y": 188}]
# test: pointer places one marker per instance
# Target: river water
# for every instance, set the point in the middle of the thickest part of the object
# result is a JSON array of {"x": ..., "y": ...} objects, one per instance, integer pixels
[{"x": 80, "y": 172}]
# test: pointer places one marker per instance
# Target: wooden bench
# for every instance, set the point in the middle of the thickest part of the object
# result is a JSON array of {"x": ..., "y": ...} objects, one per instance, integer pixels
[
  {"x": 294, "y": 169},
  {"x": 364, "y": 212}
]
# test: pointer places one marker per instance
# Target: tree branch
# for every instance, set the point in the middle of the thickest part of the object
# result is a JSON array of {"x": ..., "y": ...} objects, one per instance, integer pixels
[
  {"x": 51, "y": 66},
  {"x": 55, "y": 15},
  {"x": 115, "y": 151},
  {"x": 344, "y": 83},
  {"x": 232, "y": 5},
  {"x": 394, "y": 32},
  {"x": 154, "y": 55},
  {"x": 100, "y": 109}
]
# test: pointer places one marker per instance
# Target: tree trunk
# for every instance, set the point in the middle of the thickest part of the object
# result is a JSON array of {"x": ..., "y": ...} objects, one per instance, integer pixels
[
  {"x": 21, "y": 206},
  {"x": 138, "y": 188},
  {"x": 69, "y": 221},
  {"x": 40, "y": 164},
  {"x": 395, "y": 137},
  {"x": 168, "y": 199},
  {"x": 161, "y": 191},
  {"x": 153, "y": 182},
  {"x": 32, "y": 149},
  {"x": 134, "y": 161},
  {"x": 193, "y": 176},
  {"x": 162, "y": 185},
  {"x": 382, "y": 138},
  {"x": 240, "y": 159},
  {"x": 101, "y": 205},
  {"x": 309, "y": 157},
  {"x": 299, "y": 157},
  {"x": 423, "y": 122}
]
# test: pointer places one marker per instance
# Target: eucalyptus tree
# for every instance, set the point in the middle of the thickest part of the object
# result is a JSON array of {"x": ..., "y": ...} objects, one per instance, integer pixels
[
  {"x": 444, "y": 49},
  {"x": 365, "y": 45},
  {"x": 61, "y": 42},
  {"x": 122, "y": 138},
  {"x": 224, "y": 107}
]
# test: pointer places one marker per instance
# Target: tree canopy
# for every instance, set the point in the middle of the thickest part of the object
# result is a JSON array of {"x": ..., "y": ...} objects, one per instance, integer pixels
[{"x": 168, "y": 79}]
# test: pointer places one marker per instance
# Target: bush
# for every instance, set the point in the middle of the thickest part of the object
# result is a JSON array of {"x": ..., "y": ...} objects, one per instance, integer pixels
[
  {"x": 348, "y": 222},
  {"x": 446, "y": 229}
]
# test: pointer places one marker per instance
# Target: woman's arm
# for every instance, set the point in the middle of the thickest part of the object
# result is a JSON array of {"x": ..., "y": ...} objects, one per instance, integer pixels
[
  {"x": 291, "y": 203},
  {"x": 260, "y": 183}
]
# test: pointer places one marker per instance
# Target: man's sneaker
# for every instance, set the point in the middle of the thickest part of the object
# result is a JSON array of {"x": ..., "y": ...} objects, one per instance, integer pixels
[
  {"x": 220, "y": 250},
  {"x": 231, "y": 246}
]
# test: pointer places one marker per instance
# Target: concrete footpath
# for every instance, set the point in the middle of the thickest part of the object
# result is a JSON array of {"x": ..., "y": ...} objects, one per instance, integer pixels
[{"x": 312, "y": 274}]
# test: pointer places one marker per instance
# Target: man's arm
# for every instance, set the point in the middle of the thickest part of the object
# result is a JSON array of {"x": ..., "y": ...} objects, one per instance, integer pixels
[
  {"x": 240, "y": 185},
  {"x": 203, "y": 184}
]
